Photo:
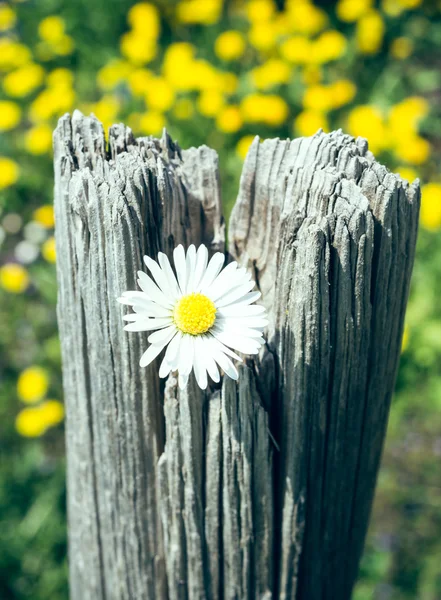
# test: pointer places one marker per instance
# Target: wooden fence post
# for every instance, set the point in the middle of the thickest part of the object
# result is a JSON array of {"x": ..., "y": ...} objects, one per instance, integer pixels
[{"x": 259, "y": 488}]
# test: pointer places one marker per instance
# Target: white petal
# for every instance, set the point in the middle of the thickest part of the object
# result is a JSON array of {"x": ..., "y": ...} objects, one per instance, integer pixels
[
  {"x": 225, "y": 327},
  {"x": 199, "y": 364},
  {"x": 131, "y": 317},
  {"x": 190, "y": 267},
  {"x": 224, "y": 280},
  {"x": 160, "y": 278},
  {"x": 163, "y": 335},
  {"x": 209, "y": 362},
  {"x": 164, "y": 369},
  {"x": 186, "y": 354},
  {"x": 244, "y": 301},
  {"x": 212, "y": 271},
  {"x": 224, "y": 362},
  {"x": 201, "y": 265},
  {"x": 150, "y": 354},
  {"x": 183, "y": 379},
  {"x": 220, "y": 347},
  {"x": 233, "y": 310},
  {"x": 172, "y": 351},
  {"x": 180, "y": 266},
  {"x": 151, "y": 289},
  {"x": 145, "y": 324},
  {"x": 254, "y": 322},
  {"x": 232, "y": 294},
  {"x": 129, "y": 297},
  {"x": 241, "y": 344},
  {"x": 166, "y": 267}
]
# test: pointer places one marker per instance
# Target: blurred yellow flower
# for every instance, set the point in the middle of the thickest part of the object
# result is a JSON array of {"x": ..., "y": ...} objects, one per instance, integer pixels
[
  {"x": 414, "y": 150},
  {"x": 323, "y": 98},
  {"x": 35, "y": 421},
  {"x": 60, "y": 78},
  {"x": 352, "y": 10},
  {"x": 297, "y": 49},
  {"x": 244, "y": 144},
  {"x": 206, "y": 12},
  {"x": 144, "y": 17},
  {"x": 370, "y": 32},
  {"x": 14, "y": 278},
  {"x": 260, "y": 10},
  {"x": 178, "y": 64},
  {"x": 51, "y": 101},
  {"x": 405, "y": 116},
  {"x": 10, "y": 115},
  {"x": 229, "y": 119},
  {"x": 269, "y": 109},
  {"x": 401, "y": 48},
  {"x": 44, "y": 215},
  {"x": 106, "y": 110},
  {"x": 51, "y": 29},
  {"x": 431, "y": 206},
  {"x": 305, "y": 17},
  {"x": 229, "y": 45},
  {"x": 367, "y": 121},
  {"x": 48, "y": 250},
  {"x": 309, "y": 122},
  {"x": 210, "y": 103},
  {"x": 38, "y": 140},
  {"x": 32, "y": 384},
  {"x": 263, "y": 36},
  {"x": 151, "y": 123},
  {"x": 343, "y": 91},
  {"x": 183, "y": 109},
  {"x": 8, "y": 172},
  {"x": 205, "y": 76},
  {"x": 138, "y": 48},
  {"x": 13, "y": 54},
  {"x": 329, "y": 46},
  {"x": 8, "y": 17},
  {"x": 113, "y": 73},
  {"x": 139, "y": 81},
  {"x": 229, "y": 82},
  {"x": 312, "y": 74},
  {"x": 64, "y": 47},
  {"x": 159, "y": 94},
  {"x": 24, "y": 80},
  {"x": 407, "y": 173},
  {"x": 272, "y": 72}
]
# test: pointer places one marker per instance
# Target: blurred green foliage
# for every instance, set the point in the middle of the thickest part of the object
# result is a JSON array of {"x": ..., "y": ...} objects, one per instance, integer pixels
[{"x": 369, "y": 67}]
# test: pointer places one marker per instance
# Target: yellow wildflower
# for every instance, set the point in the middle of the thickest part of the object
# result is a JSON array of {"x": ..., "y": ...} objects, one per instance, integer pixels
[
  {"x": 8, "y": 172},
  {"x": 260, "y": 10},
  {"x": 401, "y": 48},
  {"x": 106, "y": 110},
  {"x": 10, "y": 114},
  {"x": 405, "y": 116},
  {"x": 329, "y": 46},
  {"x": 205, "y": 76},
  {"x": 35, "y": 421},
  {"x": 38, "y": 140},
  {"x": 32, "y": 384},
  {"x": 269, "y": 109},
  {"x": 309, "y": 122},
  {"x": 312, "y": 74},
  {"x": 144, "y": 17},
  {"x": 351, "y": 10},
  {"x": 263, "y": 36},
  {"x": 272, "y": 72},
  {"x": 229, "y": 119},
  {"x": 431, "y": 206},
  {"x": 370, "y": 32},
  {"x": 54, "y": 100},
  {"x": 24, "y": 80},
  {"x": 51, "y": 29},
  {"x": 12, "y": 54},
  {"x": 138, "y": 48},
  {"x": 297, "y": 49},
  {"x": 8, "y": 18},
  {"x": 368, "y": 122},
  {"x": 64, "y": 47},
  {"x": 305, "y": 17},
  {"x": 414, "y": 150},
  {"x": 343, "y": 91},
  {"x": 244, "y": 144},
  {"x": 113, "y": 73},
  {"x": 183, "y": 109},
  {"x": 151, "y": 123},
  {"x": 210, "y": 102},
  {"x": 44, "y": 215},
  {"x": 48, "y": 250},
  {"x": 60, "y": 78},
  {"x": 229, "y": 45},
  {"x": 159, "y": 94},
  {"x": 139, "y": 81},
  {"x": 178, "y": 64},
  {"x": 14, "y": 278},
  {"x": 392, "y": 8},
  {"x": 206, "y": 12}
]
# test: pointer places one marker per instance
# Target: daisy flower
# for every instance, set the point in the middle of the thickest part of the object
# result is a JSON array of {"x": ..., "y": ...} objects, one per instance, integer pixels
[{"x": 200, "y": 315}]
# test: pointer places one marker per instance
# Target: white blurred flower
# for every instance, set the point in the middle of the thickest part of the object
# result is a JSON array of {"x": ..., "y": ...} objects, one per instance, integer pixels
[{"x": 201, "y": 315}]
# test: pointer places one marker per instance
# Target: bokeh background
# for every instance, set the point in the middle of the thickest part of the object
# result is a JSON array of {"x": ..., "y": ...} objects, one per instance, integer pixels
[{"x": 217, "y": 73}]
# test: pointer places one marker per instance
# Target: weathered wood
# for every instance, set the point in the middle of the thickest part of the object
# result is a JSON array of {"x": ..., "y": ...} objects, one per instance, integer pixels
[{"x": 255, "y": 489}]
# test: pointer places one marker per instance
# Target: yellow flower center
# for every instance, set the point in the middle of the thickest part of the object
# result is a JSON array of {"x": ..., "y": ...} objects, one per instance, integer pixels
[{"x": 194, "y": 314}]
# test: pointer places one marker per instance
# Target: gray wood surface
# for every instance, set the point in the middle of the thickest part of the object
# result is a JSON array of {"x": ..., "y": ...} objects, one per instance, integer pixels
[{"x": 259, "y": 488}]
